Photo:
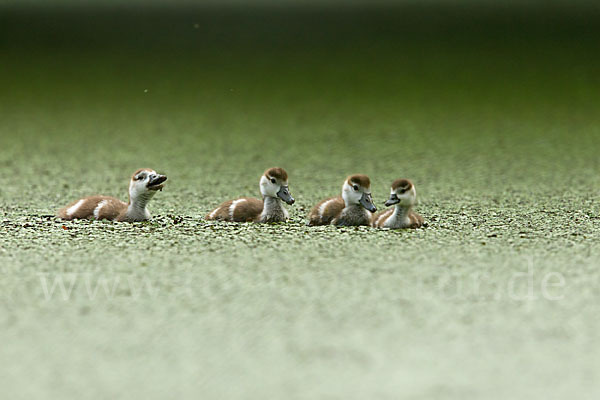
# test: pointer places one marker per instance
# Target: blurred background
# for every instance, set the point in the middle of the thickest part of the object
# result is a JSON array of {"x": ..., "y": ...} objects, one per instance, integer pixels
[{"x": 439, "y": 91}]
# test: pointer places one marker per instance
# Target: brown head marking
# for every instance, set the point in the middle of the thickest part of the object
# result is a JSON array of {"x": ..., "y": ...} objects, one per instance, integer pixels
[
  {"x": 138, "y": 171},
  {"x": 404, "y": 184},
  {"x": 361, "y": 180},
  {"x": 277, "y": 173}
]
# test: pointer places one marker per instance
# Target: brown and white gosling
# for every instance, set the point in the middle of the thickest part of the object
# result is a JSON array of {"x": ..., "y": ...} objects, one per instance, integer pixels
[
  {"x": 403, "y": 196},
  {"x": 273, "y": 188},
  {"x": 352, "y": 208},
  {"x": 143, "y": 186}
]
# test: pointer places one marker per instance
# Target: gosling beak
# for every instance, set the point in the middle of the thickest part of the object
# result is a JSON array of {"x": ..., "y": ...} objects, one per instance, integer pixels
[
  {"x": 367, "y": 202},
  {"x": 284, "y": 194},
  {"x": 392, "y": 200},
  {"x": 155, "y": 182}
]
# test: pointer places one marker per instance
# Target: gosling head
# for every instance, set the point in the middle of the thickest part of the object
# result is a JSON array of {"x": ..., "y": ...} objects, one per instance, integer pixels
[
  {"x": 274, "y": 183},
  {"x": 357, "y": 191},
  {"x": 403, "y": 193},
  {"x": 144, "y": 183}
]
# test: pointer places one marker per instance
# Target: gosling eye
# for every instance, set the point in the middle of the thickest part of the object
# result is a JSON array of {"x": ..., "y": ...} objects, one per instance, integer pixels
[
  {"x": 273, "y": 180},
  {"x": 355, "y": 188}
]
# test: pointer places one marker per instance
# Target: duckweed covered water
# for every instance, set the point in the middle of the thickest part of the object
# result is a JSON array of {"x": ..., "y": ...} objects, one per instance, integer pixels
[{"x": 497, "y": 298}]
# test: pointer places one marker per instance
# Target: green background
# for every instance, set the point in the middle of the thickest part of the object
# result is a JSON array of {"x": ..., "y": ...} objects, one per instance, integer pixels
[{"x": 492, "y": 112}]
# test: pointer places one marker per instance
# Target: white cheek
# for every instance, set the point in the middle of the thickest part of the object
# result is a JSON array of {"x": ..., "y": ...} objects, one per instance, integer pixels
[
  {"x": 346, "y": 195},
  {"x": 354, "y": 196},
  {"x": 414, "y": 195},
  {"x": 263, "y": 183},
  {"x": 267, "y": 188},
  {"x": 273, "y": 189},
  {"x": 137, "y": 187}
]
